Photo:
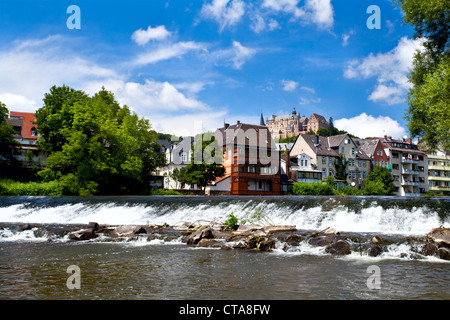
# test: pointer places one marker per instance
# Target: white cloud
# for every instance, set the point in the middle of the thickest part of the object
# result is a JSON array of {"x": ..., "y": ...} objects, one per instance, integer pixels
[
  {"x": 17, "y": 102},
  {"x": 390, "y": 69},
  {"x": 365, "y": 125},
  {"x": 166, "y": 52},
  {"x": 236, "y": 56},
  {"x": 226, "y": 13},
  {"x": 241, "y": 54},
  {"x": 346, "y": 37},
  {"x": 289, "y": 85},
  {"x": 30, "y": 68},
  {"x": 312, "y": 90},
  {"x": 318, "y": 12},
  {"x": 142, "y": 37},
  {"x": 258, "y": 23}
]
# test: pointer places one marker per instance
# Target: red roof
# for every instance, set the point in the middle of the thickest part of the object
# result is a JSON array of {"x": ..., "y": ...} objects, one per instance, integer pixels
[{"x": 29, "y": 120}]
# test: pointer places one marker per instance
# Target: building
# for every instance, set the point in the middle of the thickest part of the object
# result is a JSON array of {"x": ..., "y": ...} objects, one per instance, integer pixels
[
  {"x": 322, "y": 154},
  {"x": 178, "y": 155},
  {"x": 315, "y": 122},
  {"x": 24, "y": 123},
  {"x": 409, "y": 166},
  {"x": 374, "y": 149},
  {"x": 251, "y": 161},
  {"x": 439, "y": 172},
  {"x": 293, "y": 124}
]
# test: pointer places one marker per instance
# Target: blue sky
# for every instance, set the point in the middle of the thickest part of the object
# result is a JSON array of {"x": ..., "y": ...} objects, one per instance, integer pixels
[{"x": 190, "y": 65}]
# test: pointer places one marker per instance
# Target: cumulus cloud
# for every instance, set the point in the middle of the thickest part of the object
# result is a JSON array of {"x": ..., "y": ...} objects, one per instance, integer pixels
[
  {"x": 318, "y": 12},
  {"x": 390, "y": 70},
  {"x": 226, "y": 13},
  {"x": 142, "y": 37},
  {"x": 364, "y": 125},
  {"x": 30, "y": 68},
  {"x": 289, "y": 85}
]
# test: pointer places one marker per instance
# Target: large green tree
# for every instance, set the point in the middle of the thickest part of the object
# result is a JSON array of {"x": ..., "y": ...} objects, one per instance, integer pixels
[
  {"x": 428, "y": 97},
  {"x": 95, "y": 145},
  {"x": 6, "y": 133}
]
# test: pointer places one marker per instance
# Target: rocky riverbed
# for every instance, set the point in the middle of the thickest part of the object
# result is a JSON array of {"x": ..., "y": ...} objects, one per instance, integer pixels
[{"x": 250, "y": 237}]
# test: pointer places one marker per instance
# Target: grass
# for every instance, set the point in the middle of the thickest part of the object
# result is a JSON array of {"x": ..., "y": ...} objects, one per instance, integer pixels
[{"x": 16, "y": 188}]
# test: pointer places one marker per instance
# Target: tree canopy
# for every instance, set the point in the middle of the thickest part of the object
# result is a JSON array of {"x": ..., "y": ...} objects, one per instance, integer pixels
[
  {"x": 428, "y": 98},
  {"x": 94, "y": 144}
]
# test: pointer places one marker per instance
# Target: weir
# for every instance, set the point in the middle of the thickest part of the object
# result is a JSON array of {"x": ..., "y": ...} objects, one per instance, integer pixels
[{"x": 385, "y": 215}]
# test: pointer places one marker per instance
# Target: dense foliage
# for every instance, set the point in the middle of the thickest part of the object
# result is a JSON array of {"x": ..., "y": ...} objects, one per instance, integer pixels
[
  {"x": 94, "y": 145},
  {"x": 429, "y": 97}
]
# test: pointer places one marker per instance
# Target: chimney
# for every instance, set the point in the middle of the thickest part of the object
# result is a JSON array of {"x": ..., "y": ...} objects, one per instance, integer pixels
[
  {"x": 226, "y": 125},
  {"x": 317, "y": 139},
  {"x": 238, "y": 122}
]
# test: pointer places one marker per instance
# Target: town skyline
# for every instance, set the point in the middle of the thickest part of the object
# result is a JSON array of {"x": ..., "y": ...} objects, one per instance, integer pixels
[{"x": 179, "y": 63}]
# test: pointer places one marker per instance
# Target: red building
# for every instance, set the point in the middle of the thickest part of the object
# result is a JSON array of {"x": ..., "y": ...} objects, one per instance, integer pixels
[
  {"x": 374, "y": 149},
  {"x": 251, "y": 161}
]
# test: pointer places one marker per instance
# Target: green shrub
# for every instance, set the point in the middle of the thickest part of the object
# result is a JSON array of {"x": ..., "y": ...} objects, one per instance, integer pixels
[
  {"x": 165, "y": 192},
  {"x": 232, "y": 222},
  {"x": 372, "y": 188},
  {"x": 316, "y": 189}
]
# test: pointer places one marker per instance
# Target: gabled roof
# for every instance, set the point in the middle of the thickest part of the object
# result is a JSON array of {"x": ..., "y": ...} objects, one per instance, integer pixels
[{"x": 247, "y": 134}]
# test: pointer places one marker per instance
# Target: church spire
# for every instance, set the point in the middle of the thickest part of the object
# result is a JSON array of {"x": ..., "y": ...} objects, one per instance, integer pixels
[{"x": 261, "y": 121}]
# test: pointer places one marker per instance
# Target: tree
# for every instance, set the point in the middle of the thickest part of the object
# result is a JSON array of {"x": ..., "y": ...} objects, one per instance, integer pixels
[
  {"x": 6, "y": 134},
  {"x": 341, "y": 168},
  {"x": 379, "y": 181},
  {"x": 428, "y": 98},
  {"x": 209, "y": 169},
  {"x": 97, "y": 146},
  {"x": 55, "y": 117}
]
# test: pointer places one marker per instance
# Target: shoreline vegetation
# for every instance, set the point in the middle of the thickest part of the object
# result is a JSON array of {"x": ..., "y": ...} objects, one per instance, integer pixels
[{"x": 10, "y": 187}]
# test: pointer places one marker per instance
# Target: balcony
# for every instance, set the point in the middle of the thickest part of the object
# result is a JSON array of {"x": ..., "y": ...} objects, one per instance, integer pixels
[
  {"x": 408, "y": 171},
  {"x": 439, "y": 188},
  {"x": 410, "y": 160},
  {"x": 410, "y": 183},
  {"x": 444, "y": 168}
]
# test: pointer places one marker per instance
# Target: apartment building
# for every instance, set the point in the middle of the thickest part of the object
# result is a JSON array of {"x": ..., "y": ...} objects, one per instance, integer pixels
[
  {"x": 324, "y": 152},
  {"x": 439, "y": 172},
  {"x": 409, "y": 166}
]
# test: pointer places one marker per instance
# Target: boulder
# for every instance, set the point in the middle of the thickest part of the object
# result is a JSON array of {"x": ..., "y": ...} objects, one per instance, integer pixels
[
  {"x": 294, "y": 239},
  {"x": 441, "y": 236},
  {"x": 267, "y": 244},
  {"x": 248, "y": 227},
  {"x": 82, "y": 234},
  {"x": 26, "y": 226},
  {"x": 444, "y": 253},
  {"x": 340, "y": 247},
  {"x": 204, "y": 232},
  {"x": 429, "y": 249},
  {"x": 378, "y": 240},
  {"x": 375, "y": 250},
  {"x": 321, "y": 241},
  {"x": 210, "y": 243},
  {"x": 127, "y": 231}
]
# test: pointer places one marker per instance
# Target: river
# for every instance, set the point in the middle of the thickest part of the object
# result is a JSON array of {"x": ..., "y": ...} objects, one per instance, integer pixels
[{"x": 34, "y": 263}]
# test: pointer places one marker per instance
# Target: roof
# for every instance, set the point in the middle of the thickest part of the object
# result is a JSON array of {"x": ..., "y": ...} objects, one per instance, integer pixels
[
  {"x": 246, "y": 134},
  {"x": 329, "y": 146},
  {"x": 29, "y": 122},
  {"x": 368, "y": 146}
]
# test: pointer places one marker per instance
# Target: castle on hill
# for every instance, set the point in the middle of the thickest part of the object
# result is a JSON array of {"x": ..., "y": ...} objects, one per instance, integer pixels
[{"x": 293, "y": 124}]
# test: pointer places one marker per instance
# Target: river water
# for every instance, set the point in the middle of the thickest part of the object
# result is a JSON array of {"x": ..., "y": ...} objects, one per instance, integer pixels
[{"x": 34, "y": 263}]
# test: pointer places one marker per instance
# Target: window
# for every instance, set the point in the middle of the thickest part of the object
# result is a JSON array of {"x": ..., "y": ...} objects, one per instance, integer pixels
[
  {"x": 351, "y": 162},
  {"x": 33, "y": 132},
  {"x": 342, "y": 150},
  {"x": 330, "y": 172},
  {"x": 353, "y": 150},
  {"x": 330, "y": 161},
  {"x": 324, "y": 160},
  {"x": 324, "y": 172}
]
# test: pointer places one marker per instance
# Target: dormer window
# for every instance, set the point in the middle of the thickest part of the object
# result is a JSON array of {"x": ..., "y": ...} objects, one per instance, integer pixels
[{"x": 33, "y": 132}]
